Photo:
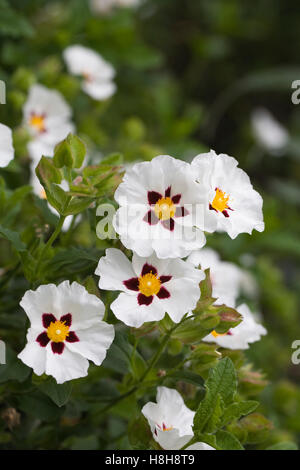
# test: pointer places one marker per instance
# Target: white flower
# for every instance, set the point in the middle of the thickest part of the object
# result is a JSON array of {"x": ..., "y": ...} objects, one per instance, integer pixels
[
  {"x": 6, "y": 146},
  {"x": 170, "y": 420},
  {"x": 160, "y": 205},
  {"x": 232, "y": 205},
  {"x": 247, "y": 332},
  {"x": 150, "y": 287},
  {"x": 226, "y": 278},
  {"x": 96, "y": 72},
  {"x": 47, "y": 117},
  {"x": 66, "y": 331},
  {"x": 200, "y": 446},
  {"x": 269, "y": 132}
]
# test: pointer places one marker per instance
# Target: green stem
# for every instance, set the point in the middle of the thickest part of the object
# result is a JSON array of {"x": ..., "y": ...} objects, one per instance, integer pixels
[
  {"x": 148, "y": 370},
  {"x": 51, "y": 241}
]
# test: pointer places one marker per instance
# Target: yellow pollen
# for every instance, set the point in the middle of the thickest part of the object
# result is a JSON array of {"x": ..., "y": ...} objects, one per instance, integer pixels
[
  {"x": 215, "y": 334},
  {"x": 149, "y": 284},
  {"x": 38, "y": 121},
  {"x": 57, "y": 331},
  {"x": 220, "y": 200},
  {"x": 43, "y": 194},
  {"x": 165, "y": 208},
  {"x": 167, "y": 429}
]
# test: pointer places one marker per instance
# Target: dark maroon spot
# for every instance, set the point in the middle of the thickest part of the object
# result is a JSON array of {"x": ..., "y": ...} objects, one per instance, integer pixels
[
  {"x": 57, "y": 348},
  {"x": 163, "y": 293},
  {"x": 132, "y": 284},
  {"x": 229, "y": 333},
  {"x": 168, "y": 224},
  {"x": 148, "y": 268},
  {"x": 153, "y": 197},
  {"x": 176, "y": 198},
  {"x": 43, "y": 339},
  {"x": 72, "y": 337},
  {"x": 144, "y": 300},
  {"x": 164, "y": 279},
  {"x": 225, "y": 213},
  {"x": 212, "y": 208},
  {"x": 181, "y": 212},
  {"x": 67, "y": 319},
  {"x": 168, "y": 192},
  {"x": 151, "y": 218},
  {"x": 155, "y": 431},
  {"x": 47, "y": 319}
]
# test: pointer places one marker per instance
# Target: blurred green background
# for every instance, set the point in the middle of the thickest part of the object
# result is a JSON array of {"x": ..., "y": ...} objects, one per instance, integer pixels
[{"x": 190, "y": 75}]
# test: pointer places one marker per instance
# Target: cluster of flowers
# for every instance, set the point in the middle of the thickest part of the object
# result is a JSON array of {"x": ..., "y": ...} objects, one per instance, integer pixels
[{"x": 165, "y": 208}]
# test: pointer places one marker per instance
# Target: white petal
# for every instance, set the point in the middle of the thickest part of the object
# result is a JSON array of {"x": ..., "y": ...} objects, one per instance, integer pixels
[
  {"x": 99, "y": 89},
  {"x": 200, "y": 446},
  {"x": 34, "y": 356},
  {"x": 60, "y": 300},
  {"x": 247, "y": 332},
  {"x": 114, "y": 268},
  {"x": 6, "y": 146},
  {"x": 185, "y": 294},
  {"x": 127, "y": 309},
  {"x": 66, "y": 366},
  {"x": 42, "y": 100},
  {"x": 93, "y": 342},
  {"x": 82, "y": 60}
]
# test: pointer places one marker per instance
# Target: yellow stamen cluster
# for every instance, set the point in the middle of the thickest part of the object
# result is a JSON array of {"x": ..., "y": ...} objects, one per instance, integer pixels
[
  {"x": 57, "y": 331},
  {"x": 149, "y": 284},
  {"x": 220, "y": 202},
  {"x": 165, "y": 208},
  {"x": 215, "y": 334},
  {"x": 38, "y": 122}
]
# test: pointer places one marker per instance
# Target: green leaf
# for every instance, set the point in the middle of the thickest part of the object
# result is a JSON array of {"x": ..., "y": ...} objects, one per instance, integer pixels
[
  {"x": 12, "y": 237},
  {"x": 227, "y": 441},
  {"x": 40, "y": 406},
  {"x": 12, "y": 23},
  {"x": 283, "y": 446},
  {"x": 222, "y": 381},
  {"x": 188, "y": 377},
  {"x": 59, "y": 393},
  {"x": 237, "y": 410},
  {"x": 69, "y": 153},
  {"x": 139, "y": 434},
  {"x": 14, "y": 369}
]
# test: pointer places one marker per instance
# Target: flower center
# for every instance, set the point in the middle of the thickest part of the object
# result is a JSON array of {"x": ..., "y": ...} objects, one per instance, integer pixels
[
  {"x": 57, "y": 331},
  {"x": 149, "y": 284},
  {"x": 164, "y": 208},
  {"x": 38, "y": 122},
  {"x": 220, "y": 201},
  {"x": 215, "y": 334},
  {"x": 165, "y": 428}
]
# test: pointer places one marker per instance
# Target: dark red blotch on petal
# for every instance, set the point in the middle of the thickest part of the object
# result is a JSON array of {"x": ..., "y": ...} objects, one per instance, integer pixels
[
  {"x": 67, "y": 319},
  {"x": 176, "y": 198},
  {"x": 43, "y": 339},
  {"x": 57, "y": 348},
  {"x": 48, "y": 318},
  {"x": 163, "y": 293},
  {"x": 151, "y": 218},
  {"x": 72, "y": 337},
  {"x": 148, "y": 268},
  {"x": 168, "y": 224},
  {"x": 164, "y": 279},
  {"x": 144, "y": 300},
  {"x": 132, "y": 284},
  {"x": 168, "y": 192},
  {"x": 181, "y": 212},
  {"x": 153, "y": 197}
]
